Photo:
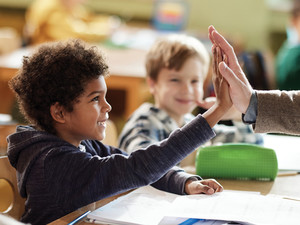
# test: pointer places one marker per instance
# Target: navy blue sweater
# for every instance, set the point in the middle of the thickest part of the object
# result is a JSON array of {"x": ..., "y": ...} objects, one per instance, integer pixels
[{"x": 58, "y": 178}]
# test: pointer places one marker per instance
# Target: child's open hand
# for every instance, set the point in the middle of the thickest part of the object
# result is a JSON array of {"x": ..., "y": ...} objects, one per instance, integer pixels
[
  {"x": 207, "y": 102},
  {"x": 218, "y": 79},
  {"x": 220, "y": 84},
  {"x": 223, "y": 101},
  {"x": 231, "y": 114},
  {"x": 208, "y": 186}
]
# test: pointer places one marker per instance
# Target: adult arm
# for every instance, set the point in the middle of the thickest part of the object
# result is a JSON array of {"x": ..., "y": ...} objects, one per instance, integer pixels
[{"x": 278, "y": 112}]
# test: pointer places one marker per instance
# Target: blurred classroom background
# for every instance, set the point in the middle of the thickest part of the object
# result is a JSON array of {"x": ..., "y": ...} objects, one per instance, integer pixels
[
  {"x": 256, "y": 28},
  {"x": 259, "y": 24}
]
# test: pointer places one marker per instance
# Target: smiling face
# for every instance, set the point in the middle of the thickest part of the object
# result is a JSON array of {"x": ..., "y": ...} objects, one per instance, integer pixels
[
  {"x": 176, "y": 92},
  {"x": 89, "y": 115}
]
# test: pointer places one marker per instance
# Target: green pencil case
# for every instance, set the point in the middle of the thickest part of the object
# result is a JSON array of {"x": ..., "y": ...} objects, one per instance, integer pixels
[{"x": 237, "y": 161}]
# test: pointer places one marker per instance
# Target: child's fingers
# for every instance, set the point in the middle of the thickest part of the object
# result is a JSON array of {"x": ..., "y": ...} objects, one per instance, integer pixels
[
  {"x": 215, "y": 185},
  {"x": 207, "y": 102},
  {"x": 225, "y": 59},
  {"x": 205, "y": 189},
  {"x": 213, "y": 49},
  {"x": 209, "y": 187},
  {"x": 219, "y": 60}
]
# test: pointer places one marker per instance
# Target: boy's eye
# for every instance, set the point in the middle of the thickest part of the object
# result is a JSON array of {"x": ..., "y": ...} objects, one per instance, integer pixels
[
  {"x": 195, "y": 81},
  {"x": 96, "y": 99},
  {"x": 174, "y": 80}
]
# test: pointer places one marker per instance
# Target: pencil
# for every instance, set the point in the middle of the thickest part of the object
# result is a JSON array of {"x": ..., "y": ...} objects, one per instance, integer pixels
[
  {"x": 288, "y": 173},
  {"x": 191, "y": 221},
  {"x": 79, "y": 218}
]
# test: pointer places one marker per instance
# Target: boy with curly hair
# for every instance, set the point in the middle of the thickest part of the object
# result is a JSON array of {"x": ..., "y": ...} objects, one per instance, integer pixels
[{"x": 60, "y": 160}]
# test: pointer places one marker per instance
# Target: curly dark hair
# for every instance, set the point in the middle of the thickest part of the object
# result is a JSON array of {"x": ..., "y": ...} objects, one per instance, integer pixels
[{"x": 56, "y": 72}]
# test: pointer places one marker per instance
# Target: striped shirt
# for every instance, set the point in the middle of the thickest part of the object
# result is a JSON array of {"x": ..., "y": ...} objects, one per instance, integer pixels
[{"x": 149, "y": 125}]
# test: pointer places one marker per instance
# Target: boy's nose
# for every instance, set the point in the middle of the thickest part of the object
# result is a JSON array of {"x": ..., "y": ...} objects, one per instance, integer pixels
[{"x": 106, "y": 107}]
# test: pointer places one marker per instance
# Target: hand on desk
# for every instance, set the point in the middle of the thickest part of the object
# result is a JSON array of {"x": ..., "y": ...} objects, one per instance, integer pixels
[{"x": 208, "y": 186}]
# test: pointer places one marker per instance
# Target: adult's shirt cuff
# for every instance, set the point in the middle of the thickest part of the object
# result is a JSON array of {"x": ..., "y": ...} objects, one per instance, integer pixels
[{"x": 251, "y": 113}]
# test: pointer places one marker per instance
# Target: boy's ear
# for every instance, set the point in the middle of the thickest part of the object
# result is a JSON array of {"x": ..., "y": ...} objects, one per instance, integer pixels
[
  {"x": 57, "y": 112},
  {"x": 151, "y": 84}
]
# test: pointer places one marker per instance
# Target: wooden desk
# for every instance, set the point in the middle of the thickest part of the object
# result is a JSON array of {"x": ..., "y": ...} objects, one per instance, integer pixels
[
  {"x": 283, "y": 185},
  {"x": 71, "y": 216},
  {"x": 127, "y": 73}
]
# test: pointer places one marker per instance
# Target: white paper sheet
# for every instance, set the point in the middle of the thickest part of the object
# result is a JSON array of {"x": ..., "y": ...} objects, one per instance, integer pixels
[
  {"x": 146, "y": 205},
  {"x": 149, "y": 206},
  {"x": 256, "y": 209}
]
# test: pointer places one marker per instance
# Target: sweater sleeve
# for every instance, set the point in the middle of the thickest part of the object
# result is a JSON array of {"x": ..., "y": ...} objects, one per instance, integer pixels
[
  {"x": 174, "y": 181},
  {"x": 93, "y": 177}
]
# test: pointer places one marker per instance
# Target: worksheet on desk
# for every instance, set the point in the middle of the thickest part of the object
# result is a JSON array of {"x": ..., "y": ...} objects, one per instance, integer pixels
[
  {"x": 145, "y": 205},
  {"x": 238, "y": 206},
  {"x": 149, "y": 206}
]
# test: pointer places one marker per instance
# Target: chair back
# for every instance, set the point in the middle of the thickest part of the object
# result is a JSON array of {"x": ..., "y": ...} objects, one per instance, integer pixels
[
  {"x": 11, "y": 203},
  {"x": 5, "y": 130}
]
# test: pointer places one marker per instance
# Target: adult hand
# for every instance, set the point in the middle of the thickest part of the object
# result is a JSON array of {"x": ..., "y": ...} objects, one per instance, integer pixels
[
  {"x": 208, "y": 186},
  {"x": 239, "y": 87}
]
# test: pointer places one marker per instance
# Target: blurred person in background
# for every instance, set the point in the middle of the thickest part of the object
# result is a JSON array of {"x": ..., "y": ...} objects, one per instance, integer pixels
[
  {"x": 288, "y": 57},
  {"x": 177, "y": 66},
  {"x": 62, "y": 19}
]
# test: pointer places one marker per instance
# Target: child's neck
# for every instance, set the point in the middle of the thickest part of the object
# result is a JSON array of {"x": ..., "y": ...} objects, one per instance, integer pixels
[
  {"x": 179, "y": 119},
  {"x": 180, "y": 122}
]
